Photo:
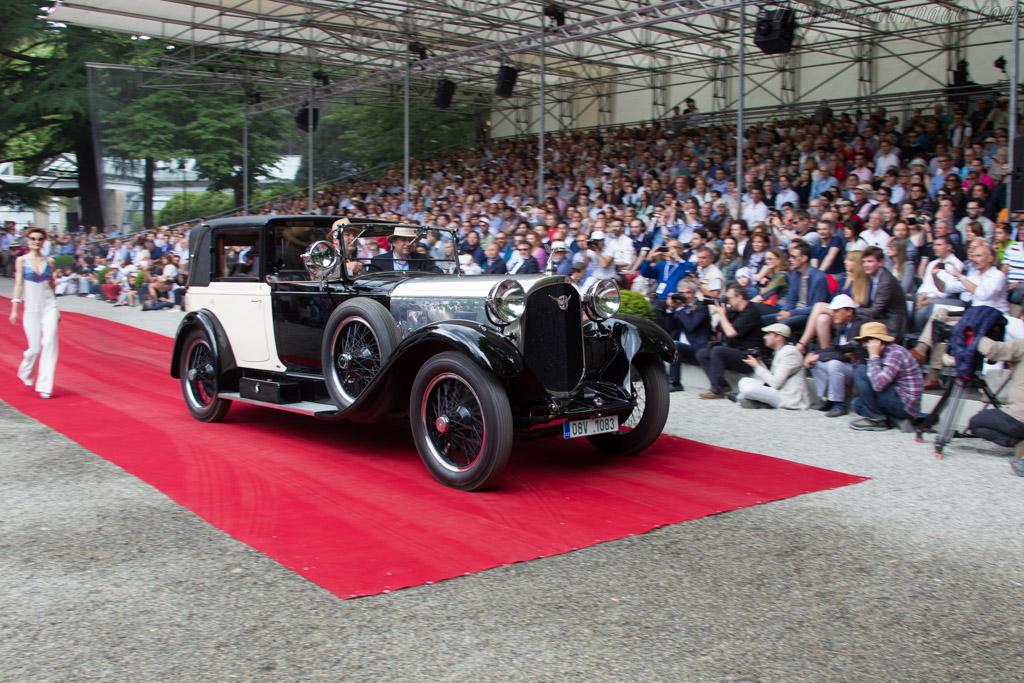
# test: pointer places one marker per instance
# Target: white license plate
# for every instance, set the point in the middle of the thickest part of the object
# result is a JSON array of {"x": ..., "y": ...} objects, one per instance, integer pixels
[{"x": 594, "y": 425}]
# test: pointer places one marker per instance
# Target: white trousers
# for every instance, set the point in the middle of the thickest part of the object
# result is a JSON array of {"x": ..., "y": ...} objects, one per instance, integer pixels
[
  {"x": 755, "y": 389},
  {"x": 40, "y": 359}
]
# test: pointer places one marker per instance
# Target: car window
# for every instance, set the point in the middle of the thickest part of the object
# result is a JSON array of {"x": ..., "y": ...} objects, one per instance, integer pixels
[
  {"x": 290, "y": 242},
  {"x": 238, "y": 255}
]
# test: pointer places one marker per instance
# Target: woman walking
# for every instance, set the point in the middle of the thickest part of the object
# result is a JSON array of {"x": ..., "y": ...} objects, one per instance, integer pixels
[{"x": 33, "y": 288}]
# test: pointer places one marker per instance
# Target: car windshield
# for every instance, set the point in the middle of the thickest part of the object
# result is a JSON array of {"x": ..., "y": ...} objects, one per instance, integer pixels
[{"x": 375, "y": 248}]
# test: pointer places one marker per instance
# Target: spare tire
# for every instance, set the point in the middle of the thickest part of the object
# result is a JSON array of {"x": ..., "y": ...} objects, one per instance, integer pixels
[{"x": 359, "y": 337}]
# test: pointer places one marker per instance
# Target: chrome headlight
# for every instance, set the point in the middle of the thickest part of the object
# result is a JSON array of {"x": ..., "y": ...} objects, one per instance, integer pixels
[
  {"x": 602, "y": 299},
  {"x": 506, "y": 302}
]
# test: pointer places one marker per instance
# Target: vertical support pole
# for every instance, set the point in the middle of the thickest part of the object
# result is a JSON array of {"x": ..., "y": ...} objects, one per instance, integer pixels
[
  {"x": 543, "y": 103},
  {"x": 1013, "y": 107},
  {"x": 309, "y": 167},
  {"x": 739, "y": 107},
  {"x": 405, "y": 134},
  {"x": 245, "y": 158}
]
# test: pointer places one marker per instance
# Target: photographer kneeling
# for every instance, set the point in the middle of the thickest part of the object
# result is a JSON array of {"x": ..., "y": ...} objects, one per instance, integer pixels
[
  {"x": 1005, "y": 427},
  {"x": 741, "y": 337},
  {"x": 785, "y": 385}
]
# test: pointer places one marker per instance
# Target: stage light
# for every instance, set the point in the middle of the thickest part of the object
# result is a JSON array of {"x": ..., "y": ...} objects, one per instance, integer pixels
[
  {"x": 418, "y": 50},
  {"x": 1000, "y": 64},
  {"x": 322, "y": 77},
  {"x": 553, "y": 11}
]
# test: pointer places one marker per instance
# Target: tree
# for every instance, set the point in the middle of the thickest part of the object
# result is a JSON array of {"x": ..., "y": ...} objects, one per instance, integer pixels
[
  {"x": 44, "y": 95},
  {"x": 188, "y": 206},
  {"x": 368, "y": 137}
]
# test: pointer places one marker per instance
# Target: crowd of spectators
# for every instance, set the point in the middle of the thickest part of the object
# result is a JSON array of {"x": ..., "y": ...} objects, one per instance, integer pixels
[{"x": 843, "y": 219}]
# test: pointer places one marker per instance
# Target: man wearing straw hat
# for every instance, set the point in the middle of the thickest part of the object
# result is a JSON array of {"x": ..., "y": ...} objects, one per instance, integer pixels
[
  {"x": 889, "y": 386},
  {"x": 401, "y": 257}
]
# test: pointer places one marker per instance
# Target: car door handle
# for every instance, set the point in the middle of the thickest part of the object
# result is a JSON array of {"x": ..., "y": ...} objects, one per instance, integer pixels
[{"x": 256, "y": 301}]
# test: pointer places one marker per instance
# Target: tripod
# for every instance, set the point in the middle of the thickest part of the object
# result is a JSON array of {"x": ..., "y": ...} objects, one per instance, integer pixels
[{"x": 954, "y": 397}]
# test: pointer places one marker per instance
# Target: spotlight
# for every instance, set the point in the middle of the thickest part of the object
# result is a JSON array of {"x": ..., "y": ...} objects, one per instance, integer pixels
[
  {"x": 1000, "y": 64},
  {"x": 418, "y": 50},
  {"x": 253, "y": 96},
  {"x": 322, "y": 77},
  {"x": 553, "y": 11}
]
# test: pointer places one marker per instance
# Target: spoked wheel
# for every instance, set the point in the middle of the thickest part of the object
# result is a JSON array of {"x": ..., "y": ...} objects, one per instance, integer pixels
[
  {"x": 360, "y": 335},
  {"x": 461, "y": 422},
  {"x": 199, "y": 381},
  {"x": 645, "y": 424}
]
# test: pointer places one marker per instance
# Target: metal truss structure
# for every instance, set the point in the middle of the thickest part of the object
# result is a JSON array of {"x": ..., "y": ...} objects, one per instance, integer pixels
[{"x": 277, "y": 51}]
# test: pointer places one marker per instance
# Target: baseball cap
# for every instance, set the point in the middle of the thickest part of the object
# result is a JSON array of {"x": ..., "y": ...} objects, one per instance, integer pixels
[
  {"x": 842, "y": 301},
  {"x": 597, "y": 235},
  {"x": 778, "y": 328}
]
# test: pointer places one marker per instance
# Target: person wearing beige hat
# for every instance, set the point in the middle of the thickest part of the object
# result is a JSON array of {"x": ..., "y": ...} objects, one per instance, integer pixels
[
  {"x": 400, "y": 257},
  {"x": 889, "y": 385},
  {"x": 785, "y": 384}
]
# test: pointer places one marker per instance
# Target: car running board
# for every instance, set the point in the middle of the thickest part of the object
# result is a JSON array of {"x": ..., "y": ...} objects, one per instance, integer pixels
[{"x": 302, "y": 407}]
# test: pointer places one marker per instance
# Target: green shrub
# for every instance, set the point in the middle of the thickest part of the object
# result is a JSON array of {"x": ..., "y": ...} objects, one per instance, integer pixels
[
  {"x": 101, "y": 277},
  {"x": 140, "y": 279},
  {"x": 64, "y": 261},
  {"x": 635, "y": 303}
]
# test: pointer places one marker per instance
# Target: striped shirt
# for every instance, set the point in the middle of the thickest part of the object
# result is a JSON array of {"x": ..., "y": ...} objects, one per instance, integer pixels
[
  {"x": 1013, "y": 259},
  {"x": 897, "y": 365}
]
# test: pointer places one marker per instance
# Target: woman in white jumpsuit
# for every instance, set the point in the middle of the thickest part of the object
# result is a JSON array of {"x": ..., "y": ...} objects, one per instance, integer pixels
[{"x": 33, "y": 288}]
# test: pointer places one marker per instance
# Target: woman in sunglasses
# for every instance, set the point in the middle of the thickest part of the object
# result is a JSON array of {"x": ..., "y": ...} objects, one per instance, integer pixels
[{"x": 34, "y": 288}]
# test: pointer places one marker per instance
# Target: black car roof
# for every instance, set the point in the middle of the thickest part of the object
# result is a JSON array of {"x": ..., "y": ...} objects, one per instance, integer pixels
[{"x": 259, "y": 221}]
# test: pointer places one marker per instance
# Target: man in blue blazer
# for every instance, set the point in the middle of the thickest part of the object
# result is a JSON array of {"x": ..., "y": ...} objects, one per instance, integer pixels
[{"x": 807, "y": 286}]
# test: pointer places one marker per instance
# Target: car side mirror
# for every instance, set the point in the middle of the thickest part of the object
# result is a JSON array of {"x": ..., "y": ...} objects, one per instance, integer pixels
[{"x": 320, "y": 260}]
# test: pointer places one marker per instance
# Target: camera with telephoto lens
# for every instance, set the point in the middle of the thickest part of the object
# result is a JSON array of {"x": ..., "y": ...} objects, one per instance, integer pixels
[
  {"x": 850, "y": 347},
  {"x": 677, "y": 297},
  {"x": 716, "y": 301},
  {"x": 593, "y": 244},
  {"x": 919, "y": 220}
]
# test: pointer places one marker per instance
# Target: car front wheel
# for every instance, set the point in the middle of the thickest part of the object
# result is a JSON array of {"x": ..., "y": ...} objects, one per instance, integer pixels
[
  {"x": 461, "y": 422},
  {"x": 199, "y": 381},
  {"x": 647, "y": 421}
]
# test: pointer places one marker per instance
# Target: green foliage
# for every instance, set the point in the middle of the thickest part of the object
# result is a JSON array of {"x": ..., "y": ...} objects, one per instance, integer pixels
[
  {"x": 352, "y": 138},
  {"x": 635, "y": 303},
  {"x": 191, "y": 205},
  {"x": 140, "y": 279},
  {"x": 101, "y": 277},
  {"x": 63, "y": 261},
  {"x": 44, "y": 91}
]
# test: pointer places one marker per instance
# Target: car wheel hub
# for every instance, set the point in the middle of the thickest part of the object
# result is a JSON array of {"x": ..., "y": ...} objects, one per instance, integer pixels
[{"x": 441, "y": 424}]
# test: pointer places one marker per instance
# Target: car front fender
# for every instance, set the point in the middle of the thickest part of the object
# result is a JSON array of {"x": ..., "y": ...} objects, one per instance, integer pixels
[
  {"x": 639, "y": 335},
  {"x": 207, "y": 322},
  {"x": 487, "y": 348}
]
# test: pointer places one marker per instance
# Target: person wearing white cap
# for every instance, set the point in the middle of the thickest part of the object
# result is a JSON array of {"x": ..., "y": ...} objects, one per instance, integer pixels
[
  {"x": 831, "y": 368},
  {"x": 782, "y": 386}
]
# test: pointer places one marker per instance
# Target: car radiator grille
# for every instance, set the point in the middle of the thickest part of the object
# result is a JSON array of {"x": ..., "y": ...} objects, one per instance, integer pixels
[{"x": 553, "y": 338}]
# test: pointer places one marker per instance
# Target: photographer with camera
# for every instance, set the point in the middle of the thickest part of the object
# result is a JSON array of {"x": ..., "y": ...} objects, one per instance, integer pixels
[
  {"x": 888, "y": 385},
  {"x": 689, "y": 324},
  {"x": 1005, "y": 427},
  {"x": 785, "y": 384},
  {"x": 832, "y": 367},
  {"x": 665, "y": 265},
  {"x": 602, "y": 257},
  {"x": 740, "y": 327}
]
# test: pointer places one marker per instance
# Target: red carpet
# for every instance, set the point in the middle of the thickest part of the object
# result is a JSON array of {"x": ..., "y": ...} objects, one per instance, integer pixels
[{"x": 351, "y": 507}]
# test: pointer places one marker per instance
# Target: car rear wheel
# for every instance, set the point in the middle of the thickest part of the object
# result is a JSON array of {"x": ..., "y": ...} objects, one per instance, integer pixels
[
  {"x": 461, "y": 422},
  {"x": 641, "y": 427},
  {"x": 359, "y": 337},
  {"x": 199, "y": 381}
]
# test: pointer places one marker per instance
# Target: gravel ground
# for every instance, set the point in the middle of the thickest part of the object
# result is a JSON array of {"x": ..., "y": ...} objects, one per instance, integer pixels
[{"x": 915, "y": 575}]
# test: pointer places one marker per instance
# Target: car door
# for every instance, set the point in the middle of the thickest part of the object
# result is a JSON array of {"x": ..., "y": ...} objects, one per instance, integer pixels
[{"x": 240, "y": 296}]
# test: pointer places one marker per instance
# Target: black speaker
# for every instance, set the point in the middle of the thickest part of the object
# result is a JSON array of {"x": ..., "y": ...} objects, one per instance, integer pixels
[
  {"x": 1017, "y": 190},
  {"x": 445, "y": 91},
  {"x": 774, "y": 32},
  {"x": 302, "y": 119},
  {"x": 506, "y": 81}
]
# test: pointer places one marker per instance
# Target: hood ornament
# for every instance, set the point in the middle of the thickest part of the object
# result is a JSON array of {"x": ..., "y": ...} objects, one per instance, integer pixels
[{"x": 562, "y": 301}]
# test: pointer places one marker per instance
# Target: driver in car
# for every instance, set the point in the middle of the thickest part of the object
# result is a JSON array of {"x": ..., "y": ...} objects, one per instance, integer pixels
[{"x": 400, "y": 257}]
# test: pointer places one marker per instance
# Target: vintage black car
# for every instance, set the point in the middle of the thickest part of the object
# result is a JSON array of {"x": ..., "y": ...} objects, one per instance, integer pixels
[{"x": 283, "y": 314}]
